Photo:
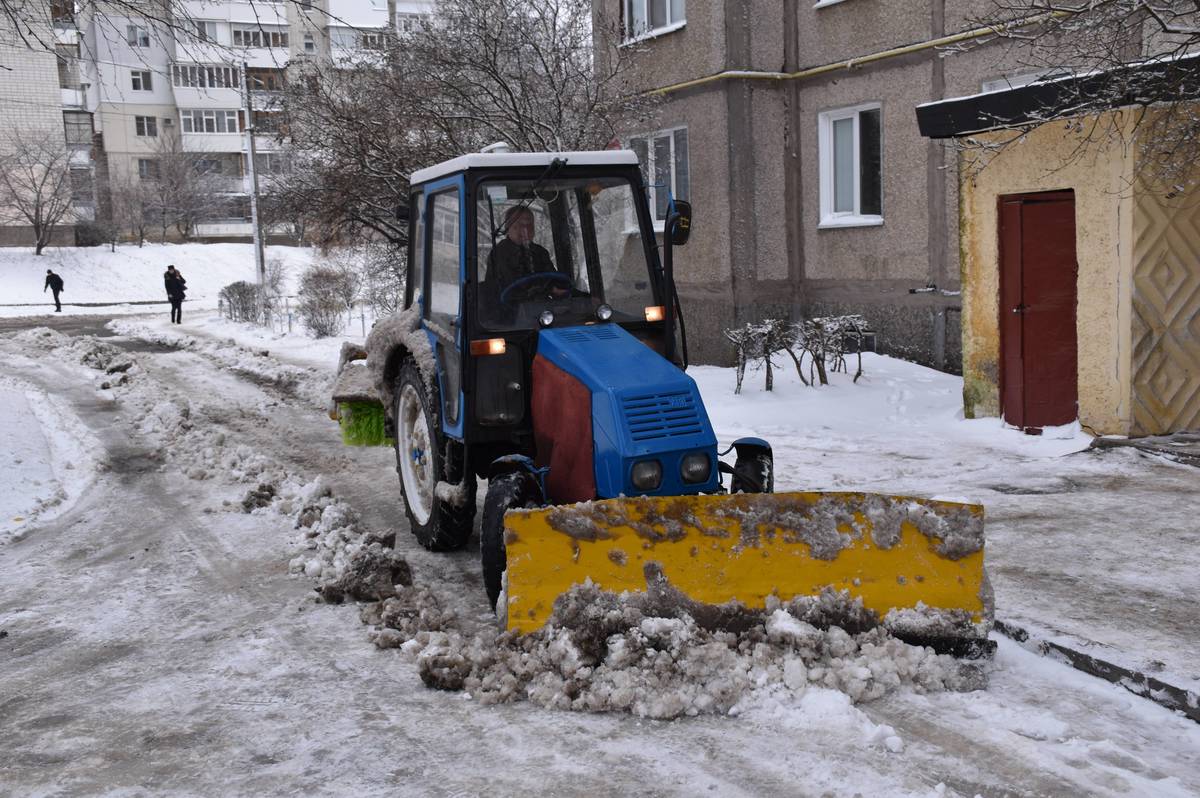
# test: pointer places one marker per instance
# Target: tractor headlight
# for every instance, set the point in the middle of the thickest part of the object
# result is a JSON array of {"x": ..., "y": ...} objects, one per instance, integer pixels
[
  {"x": 604, "y": 312},
  {"x": 647, "y": 475},
  {"x": 695, "y": 468},
  {"x": 546, "y": 319}
]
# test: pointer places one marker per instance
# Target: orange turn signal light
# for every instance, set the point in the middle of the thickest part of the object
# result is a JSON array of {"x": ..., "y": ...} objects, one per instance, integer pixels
[
  {"x": 655, "y": 313},
  {"x": 488, "y": 346}
]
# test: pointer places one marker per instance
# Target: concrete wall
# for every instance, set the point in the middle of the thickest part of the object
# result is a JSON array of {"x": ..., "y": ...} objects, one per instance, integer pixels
[
  {"x": 1046, "y": 160},
  {"x": 757, "y": 250}
]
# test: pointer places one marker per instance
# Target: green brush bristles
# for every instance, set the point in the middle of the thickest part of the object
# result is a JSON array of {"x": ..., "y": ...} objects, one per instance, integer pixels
[{"x": 362, "y": 424}]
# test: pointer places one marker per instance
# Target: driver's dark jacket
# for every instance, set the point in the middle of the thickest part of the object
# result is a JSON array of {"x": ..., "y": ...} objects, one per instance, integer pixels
[{"x": 510, "y": 262}]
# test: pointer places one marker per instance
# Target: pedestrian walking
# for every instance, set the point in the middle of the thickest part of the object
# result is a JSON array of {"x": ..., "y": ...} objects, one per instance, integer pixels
[
  {"x": 55, "y": 284},
  {"x": 176, "y": 287}
]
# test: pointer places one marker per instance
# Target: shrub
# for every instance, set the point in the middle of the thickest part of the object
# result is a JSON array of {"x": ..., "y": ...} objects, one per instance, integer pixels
[
  {"x": 326, "y": 293},
  {"x": 240, "y": 301},
  {"x": 824, "y": 341}
]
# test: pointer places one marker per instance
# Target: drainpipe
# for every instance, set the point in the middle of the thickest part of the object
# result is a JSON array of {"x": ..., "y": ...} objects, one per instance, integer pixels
[{"x": 895, "y": 52}]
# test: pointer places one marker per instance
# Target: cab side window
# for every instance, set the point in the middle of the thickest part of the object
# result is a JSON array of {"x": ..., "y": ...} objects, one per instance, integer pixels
[
  {"x": 416, "y": 249},
  {"x": 444, "y": 234}
]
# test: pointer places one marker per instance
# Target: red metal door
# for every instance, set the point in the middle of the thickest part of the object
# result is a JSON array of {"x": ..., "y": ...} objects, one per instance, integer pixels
[{"x": 1038, "y": 279}]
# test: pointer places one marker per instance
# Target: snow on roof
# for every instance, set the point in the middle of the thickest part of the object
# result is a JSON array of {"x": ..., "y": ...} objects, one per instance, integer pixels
[{"x": 492, "y": 160}]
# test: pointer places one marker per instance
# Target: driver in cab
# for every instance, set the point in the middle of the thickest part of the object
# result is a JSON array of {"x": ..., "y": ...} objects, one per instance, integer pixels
[{"x": 516, "y": 256}]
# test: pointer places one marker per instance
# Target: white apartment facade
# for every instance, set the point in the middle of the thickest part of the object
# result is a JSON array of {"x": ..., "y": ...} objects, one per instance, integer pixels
[
  {"x": 39, "y": 102},
  {"x": 152, "y": 89}
]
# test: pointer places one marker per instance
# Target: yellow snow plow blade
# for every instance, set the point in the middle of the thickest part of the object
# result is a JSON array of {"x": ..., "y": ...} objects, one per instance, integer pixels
[{"x": 913, "y": 562}]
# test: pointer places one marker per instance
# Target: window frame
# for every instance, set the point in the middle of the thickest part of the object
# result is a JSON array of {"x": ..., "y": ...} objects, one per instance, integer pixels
[
  {"x": 829, "y": 217},
  {"x": 648, "y": 169},
  {"x": 258, "y": 37},
  {"x": 206, "y": 30},
  {"x": 141, "y": 80},
  {"x": 630, "y": 36},
  {"x": 137, "y": 36},
  {"x": 148, "y": 169},
  {"x": 187, "y": 119},
  {"x": 431, "y": 314},
  {"x": 145, "y": 126}
]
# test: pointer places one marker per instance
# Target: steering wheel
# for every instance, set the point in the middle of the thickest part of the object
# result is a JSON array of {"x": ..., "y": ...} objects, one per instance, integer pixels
[{"x": 523, "y": 286}]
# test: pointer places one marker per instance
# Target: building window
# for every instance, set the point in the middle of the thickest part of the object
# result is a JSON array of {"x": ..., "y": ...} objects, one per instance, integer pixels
[
  {"x": 850, "y": 145},
  {"x": 137, "y": 36},
  {"x": 372, "y": 41},
  {"x": 642, "y": 18},
  {"x": 146, "y": 126},
  {"x": 201, "y": 76},
  {"x": 408, "y": 23},
  {"x": 148, "y": 168},
  {"x": 664, "y": 159},
  {"x": 206, "y": 30},
  {"x": 208, "y": 166},
  {"x": 310, "y": 44},
  {"x": 264, "y": 79},
  {"x": 81, "y": 184},
  {"x": 78, "y": 128},
  {"x": 142, "y": 80},
  {"x": 195, "y": 120},
  {"x": 267, "y": 163},
  {"x": 259, "y": 37}
]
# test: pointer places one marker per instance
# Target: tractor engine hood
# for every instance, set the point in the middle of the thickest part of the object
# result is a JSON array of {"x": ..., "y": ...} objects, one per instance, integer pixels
[{"x": 640, "y": 408}]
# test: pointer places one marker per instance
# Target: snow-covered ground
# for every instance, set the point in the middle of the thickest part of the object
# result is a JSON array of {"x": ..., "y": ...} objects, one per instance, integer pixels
[
  {"x": 156, "y": 641},
  {"x": 95, "y": 276}
]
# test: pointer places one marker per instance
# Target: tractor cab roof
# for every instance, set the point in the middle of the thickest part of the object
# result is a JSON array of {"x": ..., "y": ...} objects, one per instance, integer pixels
[{"x": 502, "y": 160}]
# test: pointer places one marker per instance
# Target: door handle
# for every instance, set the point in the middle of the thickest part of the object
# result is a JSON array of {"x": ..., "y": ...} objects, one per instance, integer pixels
[{"x": 1020, "y": 308}]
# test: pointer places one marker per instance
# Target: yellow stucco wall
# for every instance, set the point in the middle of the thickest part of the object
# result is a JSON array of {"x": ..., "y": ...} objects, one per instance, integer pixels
[{"x": 1049, "y": 159}]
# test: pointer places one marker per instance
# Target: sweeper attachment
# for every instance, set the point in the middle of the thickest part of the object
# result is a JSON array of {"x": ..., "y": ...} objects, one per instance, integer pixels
[{"x": 542, "y": 348}]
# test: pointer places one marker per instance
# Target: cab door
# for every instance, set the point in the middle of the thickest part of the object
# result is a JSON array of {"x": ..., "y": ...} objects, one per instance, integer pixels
[{"x": 445, "y": 256}]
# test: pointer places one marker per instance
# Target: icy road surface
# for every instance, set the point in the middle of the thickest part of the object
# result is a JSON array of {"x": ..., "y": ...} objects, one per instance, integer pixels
[{"x": 154, "y": 643}]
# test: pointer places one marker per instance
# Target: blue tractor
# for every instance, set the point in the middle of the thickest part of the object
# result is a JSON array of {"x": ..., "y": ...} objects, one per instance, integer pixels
[
  {"x": 538, "y": 349},
  {"x": 541, "y": 347}
]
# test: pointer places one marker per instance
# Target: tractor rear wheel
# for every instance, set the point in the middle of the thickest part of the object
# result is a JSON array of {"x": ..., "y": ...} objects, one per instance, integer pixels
[
  {"x": 425, "y": 457},
  {"x": 505, "y": 492}
]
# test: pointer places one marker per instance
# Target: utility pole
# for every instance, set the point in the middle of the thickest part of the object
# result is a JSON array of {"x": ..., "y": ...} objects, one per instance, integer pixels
[{"x": 259, "y": 258}]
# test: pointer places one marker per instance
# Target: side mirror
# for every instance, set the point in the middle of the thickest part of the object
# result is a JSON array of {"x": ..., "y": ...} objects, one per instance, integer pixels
[
  {"x": 683, "y": 225},
  {"x": 402, "y": 213}
]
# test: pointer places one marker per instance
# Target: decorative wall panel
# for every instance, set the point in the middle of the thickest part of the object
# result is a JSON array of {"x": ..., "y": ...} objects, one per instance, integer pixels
[{"x": 1166, "y": 316}]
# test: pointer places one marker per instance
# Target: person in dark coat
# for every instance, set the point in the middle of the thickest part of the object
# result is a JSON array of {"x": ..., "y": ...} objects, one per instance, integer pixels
[
  {"x": 516, "y": 255},
  {"x": 55, "y": 284},
  {"x": 176, "y": 287}
]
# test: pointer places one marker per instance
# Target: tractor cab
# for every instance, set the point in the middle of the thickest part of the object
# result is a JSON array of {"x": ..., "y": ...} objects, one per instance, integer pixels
[{"x": 505, "y": 246}]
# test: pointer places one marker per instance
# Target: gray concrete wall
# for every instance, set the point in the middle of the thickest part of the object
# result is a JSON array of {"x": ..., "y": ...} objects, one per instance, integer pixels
[{"x": 757, "y": 249}]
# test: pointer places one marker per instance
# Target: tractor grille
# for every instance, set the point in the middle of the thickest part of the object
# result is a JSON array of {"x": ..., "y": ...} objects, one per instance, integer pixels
[{"x": 663, "y": 415}]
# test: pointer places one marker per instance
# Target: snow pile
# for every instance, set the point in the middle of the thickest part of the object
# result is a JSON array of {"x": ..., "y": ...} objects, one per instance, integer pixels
[{"x": 602, "y": 652}]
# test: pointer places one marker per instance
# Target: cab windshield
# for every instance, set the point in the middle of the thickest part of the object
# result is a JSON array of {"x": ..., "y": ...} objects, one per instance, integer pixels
[{"x": 566, "y": 245}]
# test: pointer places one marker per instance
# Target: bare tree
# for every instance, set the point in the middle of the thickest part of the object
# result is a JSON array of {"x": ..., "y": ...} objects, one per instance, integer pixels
[
  {"x": 1139, "y": 55},
  {"x": 179, "y": 192},
  {"x": 130, "y": 206},
  {"x": 35, "y": 184},
  {"x": 521, "y": 71}
]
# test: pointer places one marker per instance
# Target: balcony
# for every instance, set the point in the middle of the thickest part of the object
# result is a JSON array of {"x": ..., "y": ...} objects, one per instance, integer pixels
[{"x": 73, "y": 99}]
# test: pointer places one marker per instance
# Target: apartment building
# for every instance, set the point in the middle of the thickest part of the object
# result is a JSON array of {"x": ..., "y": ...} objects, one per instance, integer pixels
[
  {"x": 791, "y": 129},
  {"x": 155, "y": 88},
  {"x": 41, "y": 106}
]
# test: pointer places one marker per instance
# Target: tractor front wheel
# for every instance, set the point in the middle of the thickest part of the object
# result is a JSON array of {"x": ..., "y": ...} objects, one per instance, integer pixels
[
  {"x": 425, "y": 457},
  {"x": 753, "y": 473},
  {"x": 514, "y": 490}
]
